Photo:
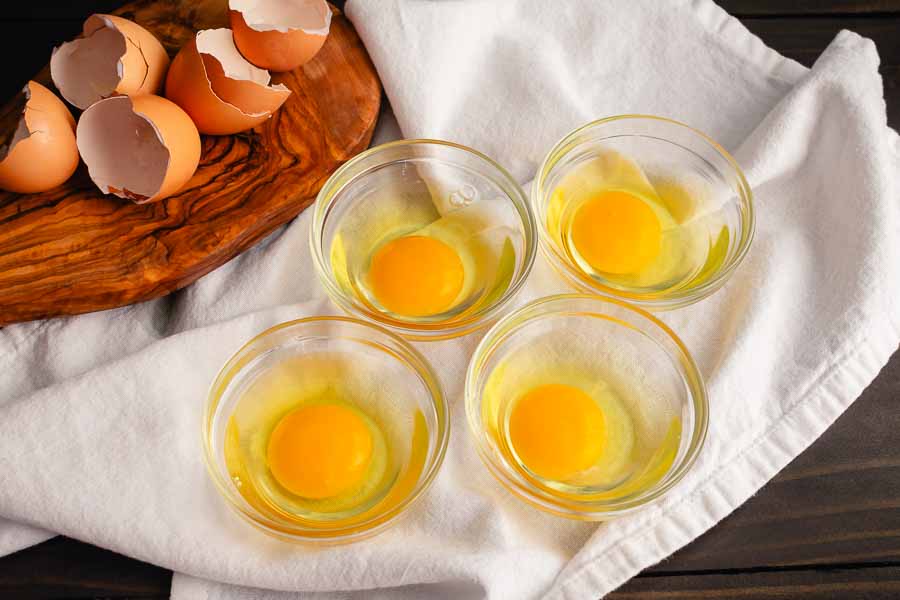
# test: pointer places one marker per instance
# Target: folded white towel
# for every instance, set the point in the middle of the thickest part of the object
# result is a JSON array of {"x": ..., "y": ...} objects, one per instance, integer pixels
[{"x": 100, "y": 414}]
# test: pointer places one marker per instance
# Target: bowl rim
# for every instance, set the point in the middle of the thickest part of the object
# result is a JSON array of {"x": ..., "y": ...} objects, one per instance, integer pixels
[
  {"x": 546, "y": 501},
  {"x": 436, "y": 331},
  {"x": 356, "y": 530},
  {"x": 665, "y": 300}
]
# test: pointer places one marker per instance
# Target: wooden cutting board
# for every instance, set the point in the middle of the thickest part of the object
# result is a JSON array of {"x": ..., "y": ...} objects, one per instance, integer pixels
[{"x": 73, "y": 250}]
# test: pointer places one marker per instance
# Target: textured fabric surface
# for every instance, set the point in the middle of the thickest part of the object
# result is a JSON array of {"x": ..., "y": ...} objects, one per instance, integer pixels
[{"x": 100, "y": 414}]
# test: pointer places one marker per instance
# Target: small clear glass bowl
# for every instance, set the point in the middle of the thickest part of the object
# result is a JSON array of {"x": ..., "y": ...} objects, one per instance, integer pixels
[
  {"x": 404, "y": 180},
  {"x": 708, "y": 196},
  {"x": 628, "y": 348},
  {"x": 400, "y": 368}
]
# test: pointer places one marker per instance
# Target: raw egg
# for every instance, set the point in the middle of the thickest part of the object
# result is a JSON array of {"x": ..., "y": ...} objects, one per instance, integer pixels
[
  {"x": 416, "y": 276},
  {"x": 218, "y": 88},
  {"x": 557, "y": 430},
  {"x": 573, "y": 415},
  {"x": 399, "y": 256},
  {"x": 573, "y": 411},
  {"x": 115, "y": 56},
  {"x": 280, "y": 35},
  {"x": 320, "y": 450},
  {"x": 323, "y": 437},
  {"x": 623, "y": 228},
  {"x": 616, "y": 232},
  {"x": 143, "y": 148},
  {"x": 563, "y": 424},
  {"x": 41, "y": 152}
]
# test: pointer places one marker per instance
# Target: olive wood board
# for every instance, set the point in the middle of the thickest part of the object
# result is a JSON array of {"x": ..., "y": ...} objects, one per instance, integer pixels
[{"x": 73, "y": 250}]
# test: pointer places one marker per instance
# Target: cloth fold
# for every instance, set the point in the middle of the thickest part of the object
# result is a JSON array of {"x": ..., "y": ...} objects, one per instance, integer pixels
[{"x": 100, "y": 414}]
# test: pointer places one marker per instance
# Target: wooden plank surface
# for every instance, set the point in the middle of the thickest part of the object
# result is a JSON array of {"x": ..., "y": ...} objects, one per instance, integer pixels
[
  {"x": 64, "y": 568},
  {"x": 828, "y": 526},
  {"x": 869, "y": 583},
  {"x": 808, "y": 8}
]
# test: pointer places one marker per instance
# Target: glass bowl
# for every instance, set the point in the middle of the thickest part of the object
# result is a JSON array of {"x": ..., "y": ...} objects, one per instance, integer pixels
[
  {"x": 340, "y": 354},
  {"x": 401, "y": 188},
  {"x": 652, "y": 398},
  {"x": 698, "y": 192}
]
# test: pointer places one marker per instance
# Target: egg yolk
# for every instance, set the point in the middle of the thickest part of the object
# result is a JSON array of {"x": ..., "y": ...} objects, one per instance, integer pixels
[
  {"x": 616, "y": 232},
  {"x": 320, "y": 451},
  {"x": 557, "y": 431},
  {"x": 416, "y": 276}
]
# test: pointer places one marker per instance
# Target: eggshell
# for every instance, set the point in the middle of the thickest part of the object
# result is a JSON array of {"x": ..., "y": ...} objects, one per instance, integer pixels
[
  {"x": 218, "y": 88},
  {"x": 42, "y": 153},
  {"x": 279, "y": 35},
  {"x": 115, "y": 56},
  {"x": 144, "y": 148}
]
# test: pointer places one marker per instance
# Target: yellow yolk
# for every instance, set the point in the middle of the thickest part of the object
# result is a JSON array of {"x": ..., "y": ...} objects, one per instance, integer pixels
[
  {"x": 557, "y": 431},
  {"x": 416, "y": 276},
  {"x": 616, "y": 232},
  {"x": 319, "y": 451}
]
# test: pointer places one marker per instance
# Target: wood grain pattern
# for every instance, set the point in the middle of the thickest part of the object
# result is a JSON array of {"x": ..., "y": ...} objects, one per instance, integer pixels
[{"x": 73, "y": 250}]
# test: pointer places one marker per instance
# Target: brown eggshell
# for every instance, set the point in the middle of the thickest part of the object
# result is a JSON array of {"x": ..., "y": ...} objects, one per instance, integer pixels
[
  {"x": 152, "y": 56},
  {"x": 279, "y": 35},
  {"x": 220, "y": 104},
  {"x": 144, "y": 148},
  {"x": 254, "y": 99},
  {"x": 115, "y": 56},
  {"x": 42, "y": 153}
]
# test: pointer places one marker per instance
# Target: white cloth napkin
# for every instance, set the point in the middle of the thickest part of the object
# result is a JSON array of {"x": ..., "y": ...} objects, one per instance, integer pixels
[{"x": 100, "y": 414}]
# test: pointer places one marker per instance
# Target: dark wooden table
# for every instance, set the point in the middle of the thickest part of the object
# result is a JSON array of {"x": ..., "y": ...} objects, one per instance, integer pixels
[{"x": 827, "y": 527}]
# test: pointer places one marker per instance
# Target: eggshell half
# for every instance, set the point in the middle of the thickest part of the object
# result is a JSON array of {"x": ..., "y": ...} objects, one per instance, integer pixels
[
  {"x": 144, "y": 148},
  {"x": 115, "y": 56},
  {"x": 41, "y": 154},
  {"x": 218, "y": 88},
  {"x": 279, "y": 35}
]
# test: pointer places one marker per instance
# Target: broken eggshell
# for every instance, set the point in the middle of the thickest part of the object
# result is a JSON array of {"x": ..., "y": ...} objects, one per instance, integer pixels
[
  {"x": 218, "y": 88},
  {"x": 40, "y": 153},
  {"x": 144, "y": 148},
  {"x": 115, "y": 56},
  {"x": 279, "y": 35}
]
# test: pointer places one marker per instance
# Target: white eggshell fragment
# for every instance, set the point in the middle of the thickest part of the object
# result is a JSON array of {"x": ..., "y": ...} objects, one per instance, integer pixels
[
  {"x": 143, "y": 148},
  {"x": 115, "y": 56}
]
